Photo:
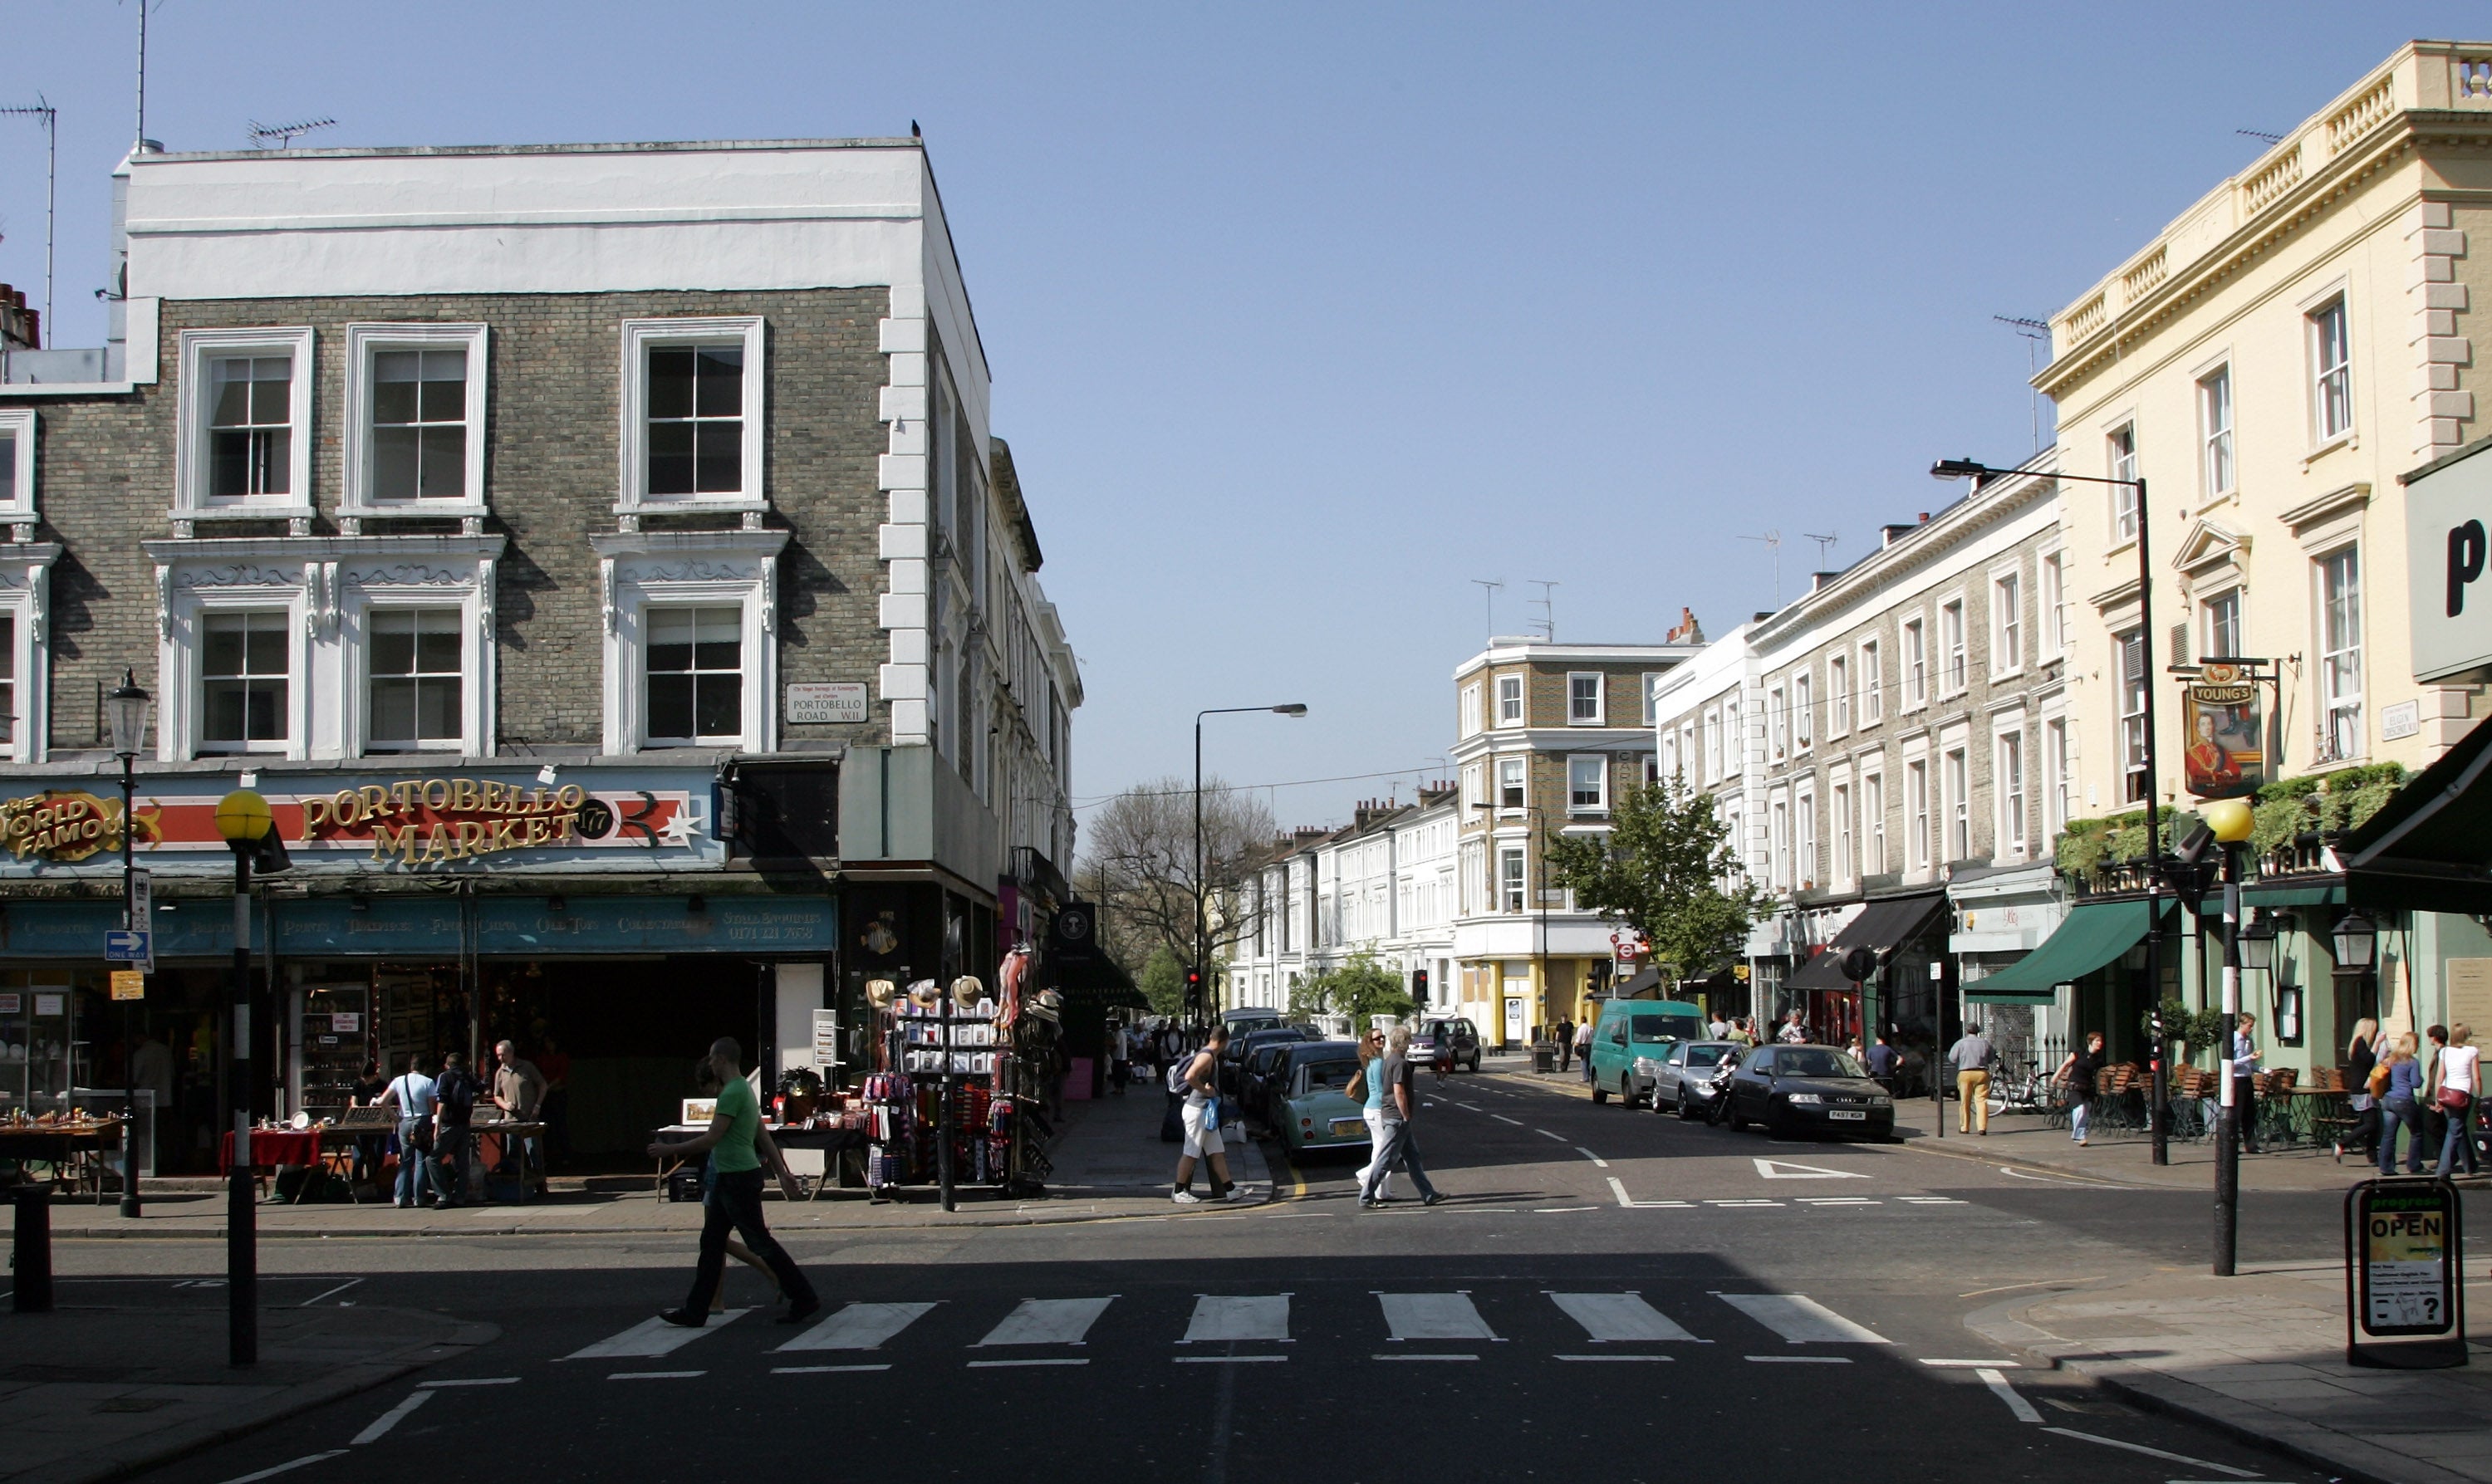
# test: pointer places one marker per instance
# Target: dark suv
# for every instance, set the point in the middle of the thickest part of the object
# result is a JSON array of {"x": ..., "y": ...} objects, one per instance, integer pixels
[{"x": 1456, "y": 1033}]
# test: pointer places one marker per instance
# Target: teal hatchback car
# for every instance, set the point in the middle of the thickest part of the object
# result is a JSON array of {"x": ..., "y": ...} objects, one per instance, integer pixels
[{"x": 1311, "y": 1109}]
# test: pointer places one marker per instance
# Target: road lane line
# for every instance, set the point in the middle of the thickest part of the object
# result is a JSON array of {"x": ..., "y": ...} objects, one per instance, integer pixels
[
  {"x": 1228, "y": 1359},
  {"x": 1618, "y": 1187},
  {"x": 825, "y": 1370},
  {"x": 1615, "y": 1358},
  {"x": 1423, "y": 1357},
  {"x": 1502, "y": 1118},
  {"x": 1749, "y": 1202},
  {"x": 991, "y": 1365},
  {"x": 379, "y": 1426},
  {"x": 653, "y": 1375},
  {"x": 1545, "y": 1133},
  {"x": 1594, "y": 1158},
  {"x": 2139, "y": 1447},
  {"x": 284, "y": 1468},
  {"x": 1552, "y": 1210},
  {"x": 1971, "y": 1365},
  {"x": 1801, "y": 1320},
  {"x": 1801, "y": 1360},
  {"x": 325, "y": 1293},
  {"x": 1996, "y": 1382},
  {"x": 474, "y": 1380}
]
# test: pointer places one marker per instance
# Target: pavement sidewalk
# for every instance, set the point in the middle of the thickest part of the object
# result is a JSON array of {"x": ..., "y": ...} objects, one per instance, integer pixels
[
  {"x": 99, "y": 1393},
  {"x": 2262, "y": 1356},
  {"x": 1109, "y": 1165}
]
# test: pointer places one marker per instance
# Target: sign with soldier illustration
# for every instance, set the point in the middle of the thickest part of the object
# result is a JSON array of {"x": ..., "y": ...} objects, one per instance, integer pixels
[{"x": 2227, "y": 754}]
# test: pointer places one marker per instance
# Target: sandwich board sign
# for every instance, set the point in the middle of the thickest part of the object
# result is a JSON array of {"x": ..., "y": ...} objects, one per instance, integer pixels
[{"x": 2405, "y": 1305}]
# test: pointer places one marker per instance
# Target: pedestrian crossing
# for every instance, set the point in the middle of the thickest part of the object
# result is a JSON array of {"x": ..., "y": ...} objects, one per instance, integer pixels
[{"x": 1456, "y": 1323}]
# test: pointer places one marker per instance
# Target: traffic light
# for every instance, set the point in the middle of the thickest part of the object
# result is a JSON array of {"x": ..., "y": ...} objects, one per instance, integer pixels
[
  {"x": 1194, "y": 988},
  {"x": 1419, "y": 985}
]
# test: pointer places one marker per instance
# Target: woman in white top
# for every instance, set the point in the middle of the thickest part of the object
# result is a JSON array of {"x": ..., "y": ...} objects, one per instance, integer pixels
[{"x": 2456, "y": 1079}]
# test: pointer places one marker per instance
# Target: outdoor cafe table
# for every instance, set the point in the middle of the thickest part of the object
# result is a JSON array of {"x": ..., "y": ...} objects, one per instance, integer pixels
[
  {"x": 2295, "y": 1115},
  {"x": 74, "y": 1152}
]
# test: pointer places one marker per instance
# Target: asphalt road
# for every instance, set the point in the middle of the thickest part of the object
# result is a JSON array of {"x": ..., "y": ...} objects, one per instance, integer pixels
[{"x": 1608, "y": 1296}]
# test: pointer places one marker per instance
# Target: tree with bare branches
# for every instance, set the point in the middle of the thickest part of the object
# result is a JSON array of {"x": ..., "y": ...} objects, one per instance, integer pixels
[{"x": 1139, "y": 865}]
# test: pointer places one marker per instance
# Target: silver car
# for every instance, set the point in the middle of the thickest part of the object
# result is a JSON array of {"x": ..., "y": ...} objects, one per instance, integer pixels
[{"x": 1678, "y": 1078}]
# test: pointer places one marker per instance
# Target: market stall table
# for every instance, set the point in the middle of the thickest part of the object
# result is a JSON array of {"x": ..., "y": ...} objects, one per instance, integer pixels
[
  {"x": 831, "y": 1141},
  {"x": 74, "y": 1152},
  {"x": 271, "y": 1150}
]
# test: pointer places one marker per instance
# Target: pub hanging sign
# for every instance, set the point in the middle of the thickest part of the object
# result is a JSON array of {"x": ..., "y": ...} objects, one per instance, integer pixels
[{"x": 2227, "y": 754}]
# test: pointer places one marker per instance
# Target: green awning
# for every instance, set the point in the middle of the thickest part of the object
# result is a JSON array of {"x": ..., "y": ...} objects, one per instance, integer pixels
[
  {"x": 2276, "y": 897},
  {"x": 2093, "y": 934},
  {"x": 2429, "y": 849}
]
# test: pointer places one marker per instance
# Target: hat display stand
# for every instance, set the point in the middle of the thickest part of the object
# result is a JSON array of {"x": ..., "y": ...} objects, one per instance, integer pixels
[{"x": 956, "y": 1093}]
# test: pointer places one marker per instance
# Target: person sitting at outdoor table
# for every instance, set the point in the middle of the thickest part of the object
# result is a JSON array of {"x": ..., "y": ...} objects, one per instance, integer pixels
[{"x": 519, "y": 1089}]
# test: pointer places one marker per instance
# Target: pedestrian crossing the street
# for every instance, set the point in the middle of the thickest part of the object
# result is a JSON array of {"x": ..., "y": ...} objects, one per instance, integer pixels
[{"x": 1245, "y": 1326}]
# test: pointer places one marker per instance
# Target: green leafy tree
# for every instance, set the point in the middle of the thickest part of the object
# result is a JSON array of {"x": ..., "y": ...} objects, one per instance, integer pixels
[
  {"x": 1163, "y": 982},
  {"x": 1361, "y": 987},
  {"x": 1665, "y": 869}
]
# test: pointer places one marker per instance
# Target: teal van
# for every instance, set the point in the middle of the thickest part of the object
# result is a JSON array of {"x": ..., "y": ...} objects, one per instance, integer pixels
[{"x": 1629, "y": 1029}]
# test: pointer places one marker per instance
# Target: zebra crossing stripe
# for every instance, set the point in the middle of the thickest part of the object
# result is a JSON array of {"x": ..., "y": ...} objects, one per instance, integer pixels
[
  {"x": 652, "y": 1337},
  {"x": 1260, "y": 1317},
  {"x": 1049, "y": 1321},
  {"x": 1621, "y": 1316},
  {"x": 1433, "y": 1317},
  {"x": 1801, "y": 1320},
  {"x": 858, "y": 1327}
]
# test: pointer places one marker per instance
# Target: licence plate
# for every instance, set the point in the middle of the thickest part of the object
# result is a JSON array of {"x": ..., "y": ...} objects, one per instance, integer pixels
[
  {"x": 1343, "y": 1128},
  {"x": 1854, "y": 1117}
]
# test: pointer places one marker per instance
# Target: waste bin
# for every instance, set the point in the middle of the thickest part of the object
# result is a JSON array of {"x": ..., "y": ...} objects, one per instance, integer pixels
[{"x": 1544, "y": 1056}]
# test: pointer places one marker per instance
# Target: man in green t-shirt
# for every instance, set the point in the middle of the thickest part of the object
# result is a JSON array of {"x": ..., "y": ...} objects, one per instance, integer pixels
[{"x": 736, "y": 1145}]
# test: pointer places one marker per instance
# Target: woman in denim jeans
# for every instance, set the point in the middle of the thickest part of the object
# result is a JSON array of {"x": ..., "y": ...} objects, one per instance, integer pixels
[
  {"x": 2401, "y": 1104},
  {"x": 2457, "y": 1071}
]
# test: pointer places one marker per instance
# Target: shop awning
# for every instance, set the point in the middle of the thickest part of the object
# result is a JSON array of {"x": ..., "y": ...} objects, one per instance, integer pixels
[
  {"x": 1884, "y": 926},
  {"x": 2093, "y": 934},
  {"x": 2429, "y": 849},
  {"x": 1102, "y": 984},
  {"x": 2278, "y": 895}
]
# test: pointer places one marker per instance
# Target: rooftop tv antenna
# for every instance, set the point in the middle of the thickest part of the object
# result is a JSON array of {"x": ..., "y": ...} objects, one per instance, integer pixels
[
  {"x": 41, "y": 110},
  {"x": 1825, "y": 549},
  {"x": 1774, "y": 541},
  {"x": 1488, "y": 590},
  {"x": 1548, "y": 610},
  {"x": 284, "y": 134},
  {"x": 2260, "y": 134},
  {"x": 2036, "y": 333}
]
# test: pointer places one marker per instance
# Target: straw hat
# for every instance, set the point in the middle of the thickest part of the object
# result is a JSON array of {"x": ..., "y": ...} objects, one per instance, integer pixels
[
  {"x": 925, "y": 993},
  {"x": 967, "y": 990},
  {"x": 878, "y": 993}
]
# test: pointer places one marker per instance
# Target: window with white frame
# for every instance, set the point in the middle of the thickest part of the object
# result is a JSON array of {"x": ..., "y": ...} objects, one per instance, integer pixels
[
  {"x": 1917, "y": 664},
  {"x": 1778, "y": 862},
  {"x": 8, "y": 678},
  {"x": 415, "y": 419},
  {"x": 244, "y": 443},
  {"x": 1510, "y": 791},
  {"x": 1872, "y": 823},
  {"x": 1509, "y": 700},
  {"x": 1509, "y": 878},
  {"x": 1959, "y": 807},
  {"x": 1842, "y": 802},
  {"x": 1713, "y": 746},
  {"x": 1583, "y": 699},
  {"x": 416, "y": 681},
  {"x": 1467, "y": 724},
  {"x": 2054, "y": 594},
  {"x": 2340, "y": 654},
  {"x": 1667, "y": 763},
  {"x": 1916, "y": 812},
  {"x": 1587, "y": 783},
  {"x": 1838, "y": 694},
  {"x": 1803, "y": 722},
  {"x": 694, "y": 671},
  {"x": 17, "y": 463},
  {"x": 690, "y": 659},
  {"x": 2010, "y": 788},
  {"x": 1473, "y": 780},
  {"x": 245, "y": 679},
  {"x": 2056, "y": 780},
  {"x": 2215, "y": 433},
  {"x": 1644, "y": 687},
  {"x": 1873, "y": 685},
  {"x": 1951, "y": 639},
  {"x": 1777, "y": 724},
  {"x": 693, "y": 413},
  {"x": 2121, "y": 449},
  {"x": 1804, "y": 844},
  {"x": 2331, "y": 372},
  {"x": 2007, "y": 624},
  {"x": 2219, "y": 627},
  {"x": 2128, "y": 656}
]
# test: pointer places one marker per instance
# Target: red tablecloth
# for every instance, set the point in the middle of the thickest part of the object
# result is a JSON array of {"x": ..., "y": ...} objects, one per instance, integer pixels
[{"x": 270, "y": 1150}]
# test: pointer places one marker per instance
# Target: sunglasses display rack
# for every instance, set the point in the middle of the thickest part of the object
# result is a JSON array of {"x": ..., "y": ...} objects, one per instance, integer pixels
[{"x": 954, "y": 1065}]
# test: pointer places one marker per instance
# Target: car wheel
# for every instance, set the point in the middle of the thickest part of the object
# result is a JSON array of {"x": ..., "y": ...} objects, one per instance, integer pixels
[
  {"x": 1600, "y": 1094},
  {"x": 1627, "y": 1093},
  {"x": 1686, "y": 1105},
  {"x": 1474, "y": 1061}
]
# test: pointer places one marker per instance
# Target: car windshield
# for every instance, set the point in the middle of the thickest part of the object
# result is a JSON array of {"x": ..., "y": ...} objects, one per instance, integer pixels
[
  {"x": 1663, "y": 1027},
  {"x": 1706, "y": 1055},
  {"x": 1330, "y": 1074},
  {"x": 1813, "y": 1061}
]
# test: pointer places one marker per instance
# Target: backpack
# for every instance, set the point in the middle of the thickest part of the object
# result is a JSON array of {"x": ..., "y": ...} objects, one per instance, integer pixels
[
  {"x": 456, "y": 1091},
  {"x": 1176, "y": 1081}
]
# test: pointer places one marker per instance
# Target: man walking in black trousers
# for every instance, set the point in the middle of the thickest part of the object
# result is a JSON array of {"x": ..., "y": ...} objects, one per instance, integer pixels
[{"x": 736, "y": 1144}]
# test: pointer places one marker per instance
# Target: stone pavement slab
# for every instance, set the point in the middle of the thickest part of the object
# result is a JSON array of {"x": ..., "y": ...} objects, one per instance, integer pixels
[{"x": 98, "y": 1393}]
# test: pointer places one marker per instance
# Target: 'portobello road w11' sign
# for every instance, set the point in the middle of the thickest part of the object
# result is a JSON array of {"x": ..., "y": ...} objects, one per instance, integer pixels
[{"x": 404, "y": 823}]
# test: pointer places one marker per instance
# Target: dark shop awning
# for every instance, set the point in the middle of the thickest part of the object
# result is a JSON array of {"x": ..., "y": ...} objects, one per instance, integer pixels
[
  {"x": 1884, "y": 926},
  {"x": 2093, "y": 934},
  {"x": 2429, "y": 849}
]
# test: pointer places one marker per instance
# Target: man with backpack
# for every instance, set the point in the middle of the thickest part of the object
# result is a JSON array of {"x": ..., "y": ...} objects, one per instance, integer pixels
[
  {"x": 455, "y": 1096},
  {"x": 1197, "y": 1077}
]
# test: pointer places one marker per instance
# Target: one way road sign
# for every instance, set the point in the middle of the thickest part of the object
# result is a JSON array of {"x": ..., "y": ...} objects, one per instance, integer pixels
[{"x": 125, "y": 945}]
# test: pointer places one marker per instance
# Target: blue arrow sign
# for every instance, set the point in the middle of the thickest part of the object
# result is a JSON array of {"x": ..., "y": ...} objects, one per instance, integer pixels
[{"x": 127, "y": 947}]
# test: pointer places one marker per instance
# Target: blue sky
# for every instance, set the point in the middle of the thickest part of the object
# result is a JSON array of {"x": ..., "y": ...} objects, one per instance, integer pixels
[{"x": 1303, "y": 317}]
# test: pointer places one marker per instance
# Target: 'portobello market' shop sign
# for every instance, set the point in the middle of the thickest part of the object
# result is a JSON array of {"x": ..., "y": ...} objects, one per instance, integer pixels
[{"x": 402, "y": 823}]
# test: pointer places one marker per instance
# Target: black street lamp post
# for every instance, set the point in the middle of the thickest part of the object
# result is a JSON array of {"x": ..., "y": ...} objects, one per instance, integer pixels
[
  {"x": 126, "y": 709},
  {"x": 1201, "y": 925},
  {"x": 250, "y": 831},
  {"x": 2158, "y": 1110}
]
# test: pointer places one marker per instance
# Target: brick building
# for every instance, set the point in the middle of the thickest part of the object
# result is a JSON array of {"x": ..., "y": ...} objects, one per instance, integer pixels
[{"x": 600, "y": 557}]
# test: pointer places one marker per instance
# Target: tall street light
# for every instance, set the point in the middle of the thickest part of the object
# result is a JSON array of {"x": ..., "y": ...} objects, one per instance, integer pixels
[
  {"x": 2157, "y": 1113},
  {"x": 126, "y": 709},
  {"x": 2230, "y": 821},
  {"x": 1201, "y": 926},
  {"x": 250, "y": 831}
]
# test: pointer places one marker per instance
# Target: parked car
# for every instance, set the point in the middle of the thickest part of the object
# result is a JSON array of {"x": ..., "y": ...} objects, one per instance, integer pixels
[
  {"x": 1809, "y": 1089},
  {"x": 1680, "y": 1080},
  {"x": 1629, "y": 1029},
  {"x": 1232, "y": 1059},
  {"x": 1251, "y": 1017},
  {"x": 1457, "y": 1030},
  {"x": 1310, "y": 1110},
  {"x": 1255, "y": 1076}
]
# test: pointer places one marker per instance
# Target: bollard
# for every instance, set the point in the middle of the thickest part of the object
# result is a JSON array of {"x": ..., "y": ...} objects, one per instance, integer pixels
[{"x": 33, "y": 1258}]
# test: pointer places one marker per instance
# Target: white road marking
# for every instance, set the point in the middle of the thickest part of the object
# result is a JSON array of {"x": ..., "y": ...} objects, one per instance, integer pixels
[
  {"x": 474, "y": 1380},
  {"x": 1620, "y": 1316},
  {"x": 859, "y": 1327},
  {"x": 1785, "y": 1169},
  {"x": 655, "y": 1375},
  {"x": 378, "y": 1428},
  {"x": 1801, "y": 1320},
  {"x": 1801, "y": 1360},
  {"x": 1929, "y": 1199},
  {"x": 990, "y": 1365},
  {"x": 1423, "y": 1357},
  {"x": 1594, "y": 1158},
  {"x": 2139, "y": 1447},
  {"x": 284, "y": 1468},
  {"x": 1618, "y": 1187},
  {"x": 1433, "y": 1317},
  {"x": 1552, "y": 1210},
  {"x": 1048, "y": 1321},
  {"x": 1545, "y": 1133},
  {"x": 325, "y": 1293},
  {"x": 1998, "y": 1387},
  {"x": 653, "y": 1337},
  {"x": 1502, "y": 1118},
  {"x": 1226, "y": 1359},
  {"x": 1752, "y": 1201},
  {"x": 825, "y": 1370},
  {"x": 1616, "y": 1357},
  {"x": 1971, "y": 1365},
  {"x": 1261, "y": 1317},
  {"x": 1840, "y": 1200},
  {"x": 1473, "y": 1107}
]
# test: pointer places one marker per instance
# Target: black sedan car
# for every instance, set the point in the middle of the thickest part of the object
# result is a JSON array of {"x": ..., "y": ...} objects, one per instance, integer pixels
[
  {"x": 1232, "y": 1059},
  {"x": 1809, "y": 1090}
]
